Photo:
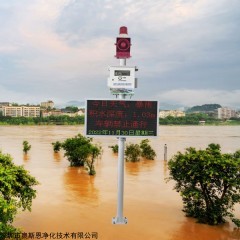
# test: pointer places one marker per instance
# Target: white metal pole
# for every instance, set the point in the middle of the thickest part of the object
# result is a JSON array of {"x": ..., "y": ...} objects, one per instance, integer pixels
[
  {"x": 123, "y": 62},
  {"x": 119, "y": 219}
]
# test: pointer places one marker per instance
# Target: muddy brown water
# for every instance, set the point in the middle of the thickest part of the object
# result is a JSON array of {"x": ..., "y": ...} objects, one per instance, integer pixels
[{"x": 70, "y": 201}]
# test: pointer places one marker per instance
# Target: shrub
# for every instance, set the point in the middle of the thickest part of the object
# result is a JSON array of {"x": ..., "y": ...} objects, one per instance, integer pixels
[
  {"x": 94, "y": 152},
  {"x": 209, "y": 183},
  {"x": 16, "y": 192},
  {"x": 80, "y": 151},
  {"x": 76, "y": 149},
  {"x": 26, "y": 147},
  {"x": 114, "y": 148},
  {"x": 132, "y": 152},
  {"x": 56, "y": 146},
  {"x": 147, "y": 151}
]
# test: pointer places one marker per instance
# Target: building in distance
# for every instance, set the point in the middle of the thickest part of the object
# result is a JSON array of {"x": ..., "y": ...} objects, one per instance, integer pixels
[
  {"x": 47, "y": 105},
  {"x": 62, "y": 112},
  {"x": 1, "y": 106},
  {"x": 226, "y": 113},
  {"x": 21, "y": 111},
  {"x": 172, "y": 113}
]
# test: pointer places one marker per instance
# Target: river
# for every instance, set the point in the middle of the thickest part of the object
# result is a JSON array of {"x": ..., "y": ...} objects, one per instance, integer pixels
[{"x": 69, "y": 201}]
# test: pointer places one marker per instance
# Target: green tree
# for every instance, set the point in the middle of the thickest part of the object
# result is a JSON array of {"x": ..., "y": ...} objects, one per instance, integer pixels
[
  {"x": 26, "y": 146},
  {"x": 59, "y": 120},
  {"x": 114, "y": 148},
  {"x": 209, "y": 183},
  {"x": 146, "y": 150},
  {"x": 133, "y": 152},
  {"x": 16, "y": 192},
  {"x": 94, "y": 152},
  {"x": 81, "y": 151},
  {"x": 72, "y": 109},
  {"x": 56, "y": 146},
  {"x": 204, "y": 108}
]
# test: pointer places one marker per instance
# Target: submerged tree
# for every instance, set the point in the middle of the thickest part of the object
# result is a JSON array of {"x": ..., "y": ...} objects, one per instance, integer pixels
[
  {"x": 16, "y": 192},
  {"x": 94, "y": 152},
  {"x": 133, "y": 152},
  {"x": 114, "y": 148},
  {"x": 209, "y": 183},
  {"x": 147, "y": 151},
  {"x": 26, "y": 146},
  {"x": 81, "y": 151},
  {"x": 56, "y": 146}
]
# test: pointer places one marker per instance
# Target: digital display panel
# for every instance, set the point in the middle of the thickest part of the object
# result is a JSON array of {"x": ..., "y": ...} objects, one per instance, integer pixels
[
  {"x": 122, "y": 73},
  {"x": 121, "y": 118}
]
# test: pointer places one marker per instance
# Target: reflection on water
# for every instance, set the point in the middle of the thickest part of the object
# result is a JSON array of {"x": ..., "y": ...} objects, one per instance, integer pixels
[
  {"x": 26, "y": 157},
  {"x": 69, "y": 200},
  {"x": 57, "y": 157},
  {"x": 80, "y": 185},
  {"x": 191, "y": 230},
  {"x": 165, "y": 169},
  {"x": 134, "y": 168}
]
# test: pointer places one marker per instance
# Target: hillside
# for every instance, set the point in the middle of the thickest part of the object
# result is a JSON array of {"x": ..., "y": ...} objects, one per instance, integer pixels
[{"x": 204, "y": 108}]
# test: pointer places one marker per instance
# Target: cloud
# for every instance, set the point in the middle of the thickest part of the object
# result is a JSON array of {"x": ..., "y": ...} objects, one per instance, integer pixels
[
  {"x": 28, "y": 24},
  {"x": 61, "y": 49},
  {"x": 192, "y": 97},
  {"x": 13, "y": 95}
]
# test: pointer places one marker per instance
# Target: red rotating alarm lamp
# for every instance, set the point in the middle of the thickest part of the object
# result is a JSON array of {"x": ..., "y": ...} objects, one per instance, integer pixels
[{"x": 123, "y": 44}]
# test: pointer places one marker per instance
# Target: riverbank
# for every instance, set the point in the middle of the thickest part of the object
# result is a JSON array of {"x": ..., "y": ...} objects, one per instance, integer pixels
[
  {"x": 213, "y": 123},
  {"x": 189, "y": 120},
  {"x": 51, "y": 120},
  {"x": 226, "y": 123}
]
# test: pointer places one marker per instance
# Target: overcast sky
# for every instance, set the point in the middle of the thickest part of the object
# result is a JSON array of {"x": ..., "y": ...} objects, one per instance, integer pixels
[{"x": 187, "y": 51}]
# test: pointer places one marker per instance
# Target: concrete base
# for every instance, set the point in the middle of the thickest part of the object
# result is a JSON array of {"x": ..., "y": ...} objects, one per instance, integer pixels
[{"x": 117, "y": 220}]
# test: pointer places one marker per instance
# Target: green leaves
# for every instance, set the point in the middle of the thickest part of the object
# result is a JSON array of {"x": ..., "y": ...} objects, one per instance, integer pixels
[
  {"x": 26, "y": 146},
  {"x": 132, "y": 152},
  {"x": 75, "y": 149},
  {"x": 147, "y": 151},
  {"x": 114, "y": 148},
  {"x": 80, "y": 151},
  {"x": 208, "y": 182},
  {"x": 56, "y": 146},
  {"x": 16, "y": 192}
]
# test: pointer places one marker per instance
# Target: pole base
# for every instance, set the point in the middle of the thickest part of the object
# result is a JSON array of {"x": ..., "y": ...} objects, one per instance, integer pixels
[{"x": 117, "y": 220}]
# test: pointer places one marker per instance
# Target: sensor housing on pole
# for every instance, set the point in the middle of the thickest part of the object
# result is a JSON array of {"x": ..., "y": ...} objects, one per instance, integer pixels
[{"x": 122, "y": 77}]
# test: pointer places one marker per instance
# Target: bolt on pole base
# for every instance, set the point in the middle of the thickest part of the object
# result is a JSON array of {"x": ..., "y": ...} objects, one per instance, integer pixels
[{"x": 117, "y": 220}]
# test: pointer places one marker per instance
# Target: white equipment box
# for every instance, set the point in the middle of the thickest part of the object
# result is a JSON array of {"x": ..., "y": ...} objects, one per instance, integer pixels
[{"x": 122, "y": 77}]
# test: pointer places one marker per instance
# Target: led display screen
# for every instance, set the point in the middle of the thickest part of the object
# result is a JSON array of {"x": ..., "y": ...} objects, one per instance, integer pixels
[
  {"x": 122, "y": 73},
  {"x": 121, "y": 118}
]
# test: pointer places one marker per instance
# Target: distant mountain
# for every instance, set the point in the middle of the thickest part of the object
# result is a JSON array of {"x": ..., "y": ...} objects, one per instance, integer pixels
[{"x": 204, "y": 108}]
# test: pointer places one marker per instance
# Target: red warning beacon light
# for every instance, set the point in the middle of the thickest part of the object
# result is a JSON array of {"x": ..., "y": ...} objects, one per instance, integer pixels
[{"x": 123, "y": 44}]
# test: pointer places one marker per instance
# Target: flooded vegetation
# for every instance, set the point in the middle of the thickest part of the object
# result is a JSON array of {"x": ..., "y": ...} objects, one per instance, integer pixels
[{"x": 69, "y": 200}]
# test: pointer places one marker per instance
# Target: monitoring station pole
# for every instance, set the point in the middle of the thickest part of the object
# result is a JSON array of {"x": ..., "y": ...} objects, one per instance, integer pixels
[
  {"x": 119, "y": 219},
  {"x": 122, "y": 53},
  {"x": 124, "y": 118}
]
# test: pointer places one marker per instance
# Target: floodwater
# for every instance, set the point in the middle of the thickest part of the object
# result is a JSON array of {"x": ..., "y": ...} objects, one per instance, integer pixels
[{"x": 71, "y": 201}]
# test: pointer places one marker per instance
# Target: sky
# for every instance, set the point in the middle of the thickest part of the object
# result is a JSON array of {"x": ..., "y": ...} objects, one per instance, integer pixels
[{"x": 187, "y": 51}]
